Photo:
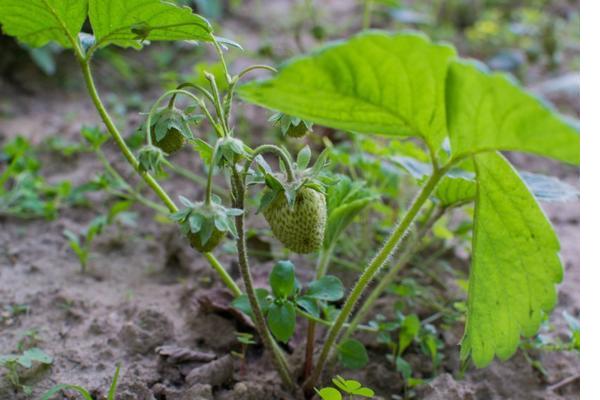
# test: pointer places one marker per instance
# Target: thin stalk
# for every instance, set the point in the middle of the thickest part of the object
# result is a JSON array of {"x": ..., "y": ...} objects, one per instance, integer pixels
[
  {"x": 9, "y": 170},
  {"x": 259, "y": 319},
  {"x": 323, "y": 322},
  {"x": 174, "y": 92},
  {"x": 222, "y": 59},
  {"x": 133, "y": 194},
  {"x": 184, "y": 85},
  {"x": 271, "y": 148},
  {"x": 209, "y": 179},
  {"x": 114, "y": 132},
  {"x": 215, "y": 92},
  {"x": 392, "y": 273},
  {"x": 374, "y": 266},
  {"x": 225, "y": 277},
  {"x": 186, "y": 173},
  {"x": 322, "y": 266},
  {"x": 323, "y": 261}
]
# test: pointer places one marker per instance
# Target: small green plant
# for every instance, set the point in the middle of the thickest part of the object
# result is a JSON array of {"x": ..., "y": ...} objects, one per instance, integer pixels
[
  {"x": 14, "y": 364},
  {"x": 111, "y": 395},
  {"x": 81, "y": 244},
  {"x": 457, "y": 117},
  {"x": 24, "y": 193},
  {"x": 287, "y": 298},
  {"x": 351, "y": 388}
]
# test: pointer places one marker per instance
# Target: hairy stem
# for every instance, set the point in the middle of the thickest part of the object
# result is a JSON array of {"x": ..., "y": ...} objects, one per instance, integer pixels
[
  {"x": 388, "y": 278},
  {"x": 380, "y": 259},
  {"x": 259, "y": 319},
  {"x": 322, "y": 265}
]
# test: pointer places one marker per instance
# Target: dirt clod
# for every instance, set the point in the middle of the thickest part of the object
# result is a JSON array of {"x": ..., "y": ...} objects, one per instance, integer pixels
[
  {"x": 199, "y": 391},
  {"x": 148, "y": 329},
  {"x": 444, "y": 387},
  {"x": 215, "y": 373}
]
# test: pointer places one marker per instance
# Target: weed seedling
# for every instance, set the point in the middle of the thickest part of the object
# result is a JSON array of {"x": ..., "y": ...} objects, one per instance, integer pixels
[
  {"x": 14, "y": 364},
  {"x": 351, "y": 389},
  {"x": 111, "y": 395}
]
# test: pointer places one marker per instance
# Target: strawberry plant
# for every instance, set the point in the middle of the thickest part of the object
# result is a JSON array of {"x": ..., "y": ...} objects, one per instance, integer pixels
[{"x": 457, "y": 115}]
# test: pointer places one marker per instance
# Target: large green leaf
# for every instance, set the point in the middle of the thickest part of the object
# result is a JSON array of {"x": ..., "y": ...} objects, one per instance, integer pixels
[
  {"x": 124, "y": 23},
  {"x": 37, "y": 22},
  {"x": 515, "y": 264},
  {"x": 488, "y": 111},
  {"x": 389, "y": 84}
]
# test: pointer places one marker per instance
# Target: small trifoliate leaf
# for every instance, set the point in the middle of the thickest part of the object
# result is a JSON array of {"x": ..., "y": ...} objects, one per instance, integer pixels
[
  {"x": 281, "y": 319},
  {"x": 352, "y": 354},
  {"x": 329, "y": 393},
  {"x": 242, "y": 302},
  {"x": 328, "y": 288},
  {"x": 282, "y": 279},
  {"x": 308, "y": 304}
]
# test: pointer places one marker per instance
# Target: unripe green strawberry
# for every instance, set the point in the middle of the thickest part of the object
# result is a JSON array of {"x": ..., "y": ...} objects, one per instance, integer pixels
[
  {"x": 172, "y": 141},
  {"x": 213, "y": 241},
  {"x": 174, "y": 121},
  {"x": 300, "y": 228}
]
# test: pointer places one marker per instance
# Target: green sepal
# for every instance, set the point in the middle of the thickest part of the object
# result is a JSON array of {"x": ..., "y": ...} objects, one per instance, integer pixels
[
  {"x": 151, "y": 159},
  {"x": 229, "y": 151},
  {"x": 291, "y": 126}
]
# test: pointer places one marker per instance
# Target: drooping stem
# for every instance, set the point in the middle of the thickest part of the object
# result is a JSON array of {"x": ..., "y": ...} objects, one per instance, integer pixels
[
  {"x": 184, "y": 85},
  {"x": 412, "y": 245},
  {"x": 225, "y": 277},
  {"x": 271, "y": 148},
  {"x": 259, "y": 319},
  {"x": 380, "y": 259},
  {"x": 114, "y": 132},
  {"x": 130, "y": 157},
  {"x": 174, "y": 92}
]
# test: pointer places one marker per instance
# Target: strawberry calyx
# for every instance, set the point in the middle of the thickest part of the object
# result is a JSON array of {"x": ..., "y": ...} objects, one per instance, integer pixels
[
  {"x": 206, "y": 224},
  {"x": 291, "y": 126}
]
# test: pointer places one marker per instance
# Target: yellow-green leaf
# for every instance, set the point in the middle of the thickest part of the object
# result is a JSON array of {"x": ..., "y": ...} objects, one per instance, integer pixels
[
  {"x": 37, "y": 22},
  {"x": 515, "y": 264},
  {"x": 127, "y": 23},
  {"x": 489, "y": 111},
  {"x": 376, "y": 82}
]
